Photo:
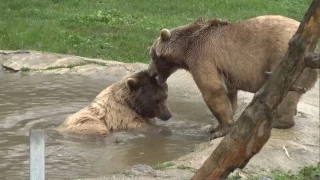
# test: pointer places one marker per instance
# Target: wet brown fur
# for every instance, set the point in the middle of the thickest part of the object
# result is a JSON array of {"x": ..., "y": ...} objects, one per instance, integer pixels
[
  {"x": 119, "y": 107},
  {"x": 224, "y": 57}
]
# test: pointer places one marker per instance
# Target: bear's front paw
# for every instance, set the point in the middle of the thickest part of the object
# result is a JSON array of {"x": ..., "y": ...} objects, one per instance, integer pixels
[
  {"x": 219, "y": 132},
  {"x": 213, "y": 129}
]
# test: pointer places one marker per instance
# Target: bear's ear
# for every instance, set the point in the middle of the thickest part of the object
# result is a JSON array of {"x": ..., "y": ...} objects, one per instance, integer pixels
[
  {"x": 133, "y": 83},
  {"x": 165, "y": 34}
]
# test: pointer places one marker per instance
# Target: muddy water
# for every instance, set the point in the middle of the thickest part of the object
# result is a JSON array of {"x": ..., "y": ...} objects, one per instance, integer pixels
[{"x": 43, "y": 102}]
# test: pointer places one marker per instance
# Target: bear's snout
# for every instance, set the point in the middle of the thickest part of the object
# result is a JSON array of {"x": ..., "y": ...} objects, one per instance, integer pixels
[
  {"x": 164, "y": 114},
  {"x": 152, "y": 71},
  {"x": 165, "y": 117}
]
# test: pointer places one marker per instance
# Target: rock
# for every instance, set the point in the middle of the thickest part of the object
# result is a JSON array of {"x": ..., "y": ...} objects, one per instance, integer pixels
[
  {"x": 265, "y": 178},
  {"x": 38, "y": 60},
  {"x": 142, "y": 169}
]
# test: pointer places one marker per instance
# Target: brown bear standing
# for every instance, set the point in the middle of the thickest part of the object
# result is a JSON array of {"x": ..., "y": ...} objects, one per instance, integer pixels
[
  {"x": 125, "y": 105},
  {"x": 225, "y": 57}
]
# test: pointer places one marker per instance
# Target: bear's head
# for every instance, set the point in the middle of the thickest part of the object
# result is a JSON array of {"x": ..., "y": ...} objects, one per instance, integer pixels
[
  {"x": 147, "y": 97},
  {"x": 178, "y": 47},
  {"x": 165, "y": 60}
]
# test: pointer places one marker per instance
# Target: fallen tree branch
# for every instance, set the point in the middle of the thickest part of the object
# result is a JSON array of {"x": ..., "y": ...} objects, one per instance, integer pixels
[
  {"x": 313, "y": 60},
  {"x": 253, "y": 128},
  {"x": 298, "y": 89}
]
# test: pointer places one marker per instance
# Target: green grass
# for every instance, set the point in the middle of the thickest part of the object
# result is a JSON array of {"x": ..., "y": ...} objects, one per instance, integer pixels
[
  {"x": 183, "y": 167},
  {"x": 55, "y": 67},
  {"x": 311, "y": 172},
  {"x": 117, "y": 29},
  {"x": 307, "y": 173},
  {"x": 25, "y": 69},
  {"x": 162, "y": 166}
]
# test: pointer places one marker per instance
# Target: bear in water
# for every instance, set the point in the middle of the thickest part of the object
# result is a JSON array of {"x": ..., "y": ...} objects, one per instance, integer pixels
[{"x": 125, "y": 105}]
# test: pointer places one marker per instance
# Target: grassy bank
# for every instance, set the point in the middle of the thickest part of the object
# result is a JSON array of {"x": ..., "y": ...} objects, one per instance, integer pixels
[
  {"x": 307, "y": 173},
  {"x": 117, "y": 29},
  {"x": 310, "y": 172}
]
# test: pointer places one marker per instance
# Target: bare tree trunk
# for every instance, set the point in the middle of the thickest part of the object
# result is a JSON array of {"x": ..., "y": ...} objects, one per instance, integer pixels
[{"x": 253, "y": 128}]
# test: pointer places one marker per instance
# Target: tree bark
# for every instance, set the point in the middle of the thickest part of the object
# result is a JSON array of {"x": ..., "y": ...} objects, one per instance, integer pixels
[{"x": 253, "y": 128}]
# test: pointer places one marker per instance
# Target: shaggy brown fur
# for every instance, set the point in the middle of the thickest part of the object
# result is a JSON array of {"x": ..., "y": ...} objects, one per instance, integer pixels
[
  {"x": 225, "y": 57},
  {"x": 125, "y": 105}
]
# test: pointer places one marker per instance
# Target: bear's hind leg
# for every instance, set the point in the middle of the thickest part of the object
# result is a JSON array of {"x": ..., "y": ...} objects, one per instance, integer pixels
[{"x": 286, "y": 110}]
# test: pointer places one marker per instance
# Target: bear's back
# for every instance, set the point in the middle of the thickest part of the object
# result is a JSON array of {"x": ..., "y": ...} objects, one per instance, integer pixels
[{"x": 246, "y": 49}]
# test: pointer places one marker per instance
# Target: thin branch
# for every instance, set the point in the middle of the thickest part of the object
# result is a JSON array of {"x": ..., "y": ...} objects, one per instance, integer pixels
[
  {"x": 285, "y": 149},
  {"x": 268, "y": 73}
]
